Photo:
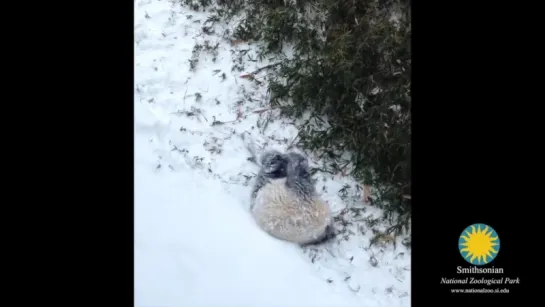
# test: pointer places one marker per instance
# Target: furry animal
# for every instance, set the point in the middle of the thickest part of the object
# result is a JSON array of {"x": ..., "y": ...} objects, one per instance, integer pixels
[
  {"x": 273, "y": 166},
  {"x": 289, "y": 208}
]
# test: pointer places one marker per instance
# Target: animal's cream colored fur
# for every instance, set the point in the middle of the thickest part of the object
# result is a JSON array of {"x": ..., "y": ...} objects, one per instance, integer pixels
[{"x": 280, "y": 213}]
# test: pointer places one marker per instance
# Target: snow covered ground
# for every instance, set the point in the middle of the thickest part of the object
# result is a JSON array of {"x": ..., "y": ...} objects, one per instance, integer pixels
[{"x": 195, "y": 241}]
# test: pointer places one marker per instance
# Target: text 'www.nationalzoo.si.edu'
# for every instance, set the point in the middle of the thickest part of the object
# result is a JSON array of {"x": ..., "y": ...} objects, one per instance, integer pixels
[{"x": 482, "y": 290}]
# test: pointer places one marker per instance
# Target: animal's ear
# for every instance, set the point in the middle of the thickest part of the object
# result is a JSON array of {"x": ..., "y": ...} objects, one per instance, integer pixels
[
  {"x": 298, "y": 158},
  {"x": 298, "y": 161}
]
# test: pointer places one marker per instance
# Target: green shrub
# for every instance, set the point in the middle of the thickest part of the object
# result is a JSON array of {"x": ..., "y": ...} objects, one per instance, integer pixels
[{"x": 349, "y": 78}]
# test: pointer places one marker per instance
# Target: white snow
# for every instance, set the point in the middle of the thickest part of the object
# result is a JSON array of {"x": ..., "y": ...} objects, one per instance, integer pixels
[
  {"x": 195, "y": 242},
  {"x": 195, "y": 246}
]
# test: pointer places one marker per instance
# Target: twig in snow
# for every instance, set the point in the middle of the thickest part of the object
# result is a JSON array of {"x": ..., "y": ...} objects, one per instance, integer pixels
[
  {"x": 218, "y": 122},
  {"x": 200, "y": 113},
  {"x": 239, "y": 112},
  {"x": 265, "y": 67},
  {"x": 265, "y": 110},
  {"x": 250, "y": 145},
  {"x": 185, "y": 95},
  {"x": 366, "y": 193},
  {"x": 354, "y": 290},
  {"x": 264, "y": 126},
  {"x": 330, "y": 252},
  {"x": 293, "y": 141},
  {"x": 251, "y": 76}
]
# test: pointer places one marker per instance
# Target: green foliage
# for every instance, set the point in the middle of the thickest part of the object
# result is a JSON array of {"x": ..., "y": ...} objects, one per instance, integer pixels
[{"x": 349, "y": 78}]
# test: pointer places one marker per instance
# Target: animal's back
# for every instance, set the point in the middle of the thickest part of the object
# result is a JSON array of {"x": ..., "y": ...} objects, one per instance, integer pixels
[{"x": 279, "y": 212}]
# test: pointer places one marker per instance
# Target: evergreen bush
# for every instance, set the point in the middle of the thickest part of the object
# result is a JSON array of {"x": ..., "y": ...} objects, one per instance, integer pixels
[{"x": 348, "y": 77}]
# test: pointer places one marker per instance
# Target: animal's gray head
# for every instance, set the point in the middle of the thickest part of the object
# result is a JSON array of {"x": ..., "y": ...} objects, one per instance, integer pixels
[
  {"x": 273, "y": 163},
  {"x": 298, "y": 175},
  {"x": 297, "y": 165}
]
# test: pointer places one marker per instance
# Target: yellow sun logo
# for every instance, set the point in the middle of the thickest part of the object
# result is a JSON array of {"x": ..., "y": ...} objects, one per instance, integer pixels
[{"x": 479, "y": 244}]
